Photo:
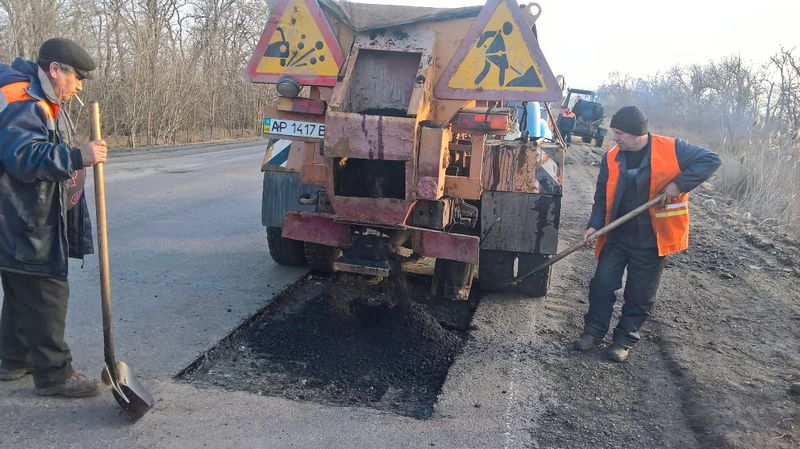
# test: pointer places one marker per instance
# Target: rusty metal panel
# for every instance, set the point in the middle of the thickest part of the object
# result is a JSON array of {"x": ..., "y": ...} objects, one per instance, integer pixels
[
  {"x": 528, "y": 222},
  {"x": 432, "y": 214},
  {"x": 463, "y": 187},
  {"x": 316, "y": 228},
  {"x": 310, "y": 106},
  {"x": 441, "y": 245},
  {"x": 382, "y": 81},
  {"x": 381, "y": 66},
  {"x": 369, "y": 136},
  {"x": 510, "y": 167},
  {"x": 312, "y": 170},
  {"x": 432, "y": 162},
  {"x": 381, "y": 211},
  {"x": 280, "y": 194}
]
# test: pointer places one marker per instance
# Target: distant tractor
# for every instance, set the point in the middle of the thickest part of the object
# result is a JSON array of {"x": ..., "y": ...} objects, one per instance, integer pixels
[
  {"x": 401, "y": 146},
  {"x": 589, "y": 114}
]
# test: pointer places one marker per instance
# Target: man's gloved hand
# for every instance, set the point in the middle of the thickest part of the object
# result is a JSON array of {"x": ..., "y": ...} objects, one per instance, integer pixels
[{"x": 94, "y": 152}]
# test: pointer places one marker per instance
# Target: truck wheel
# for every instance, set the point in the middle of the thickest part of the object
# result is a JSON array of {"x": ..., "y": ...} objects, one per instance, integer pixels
[
  {"x": 536, "y": 284},
  {"x": 586, "y": 139},
  {"x": 285, "y": 251},
  {"x": 598, "y": 141},
  {"x": 321, "y": 257},
  {"x": 496, "y": 270}
]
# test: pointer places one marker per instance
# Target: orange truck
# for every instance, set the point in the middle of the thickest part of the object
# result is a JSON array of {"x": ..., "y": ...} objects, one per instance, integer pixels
[{"x": 395, "y": 132}]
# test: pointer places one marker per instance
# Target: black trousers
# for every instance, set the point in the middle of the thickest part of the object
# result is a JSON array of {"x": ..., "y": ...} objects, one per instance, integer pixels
[
  {"x": 32, "y": 327},
  {"x": 644, "y": 274},
  {"x": 567, "y": 135}
]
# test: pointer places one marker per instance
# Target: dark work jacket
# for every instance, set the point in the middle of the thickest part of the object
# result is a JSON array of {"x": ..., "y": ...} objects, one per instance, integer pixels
[
  {"x": 566, "y": 123},
  {"x": 697, "y": 164},
  {"x": 37, "y": 232}
]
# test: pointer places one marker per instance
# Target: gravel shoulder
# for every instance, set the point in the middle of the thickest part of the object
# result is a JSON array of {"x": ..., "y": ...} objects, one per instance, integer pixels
[{"x": 717, "y": 358}]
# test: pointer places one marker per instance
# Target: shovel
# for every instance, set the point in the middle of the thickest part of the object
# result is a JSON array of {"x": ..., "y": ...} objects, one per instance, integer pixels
[
  {"x": 602, "y": 231},
  {"x": 134, "y": 399}
]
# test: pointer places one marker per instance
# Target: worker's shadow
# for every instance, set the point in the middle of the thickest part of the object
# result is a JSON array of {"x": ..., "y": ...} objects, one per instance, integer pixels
[{"x": 66, "y": 415}]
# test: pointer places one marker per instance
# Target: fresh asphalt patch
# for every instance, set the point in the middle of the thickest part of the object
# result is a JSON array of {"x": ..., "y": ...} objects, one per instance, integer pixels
[{"x": 343, "y": 340}]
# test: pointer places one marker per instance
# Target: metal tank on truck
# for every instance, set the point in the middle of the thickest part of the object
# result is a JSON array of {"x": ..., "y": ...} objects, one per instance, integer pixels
[{"x": 388, "y": 138}]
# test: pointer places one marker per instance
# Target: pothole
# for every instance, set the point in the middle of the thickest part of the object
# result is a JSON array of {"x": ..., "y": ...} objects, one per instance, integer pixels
[{"x": 340, "y": 340}]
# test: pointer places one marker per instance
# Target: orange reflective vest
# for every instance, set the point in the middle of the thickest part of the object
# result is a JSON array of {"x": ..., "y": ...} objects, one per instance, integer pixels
[
  {"x": 18, "y": 92},
  {"x": 670, "y": 222},
  {"x": 568, "y": 114}
]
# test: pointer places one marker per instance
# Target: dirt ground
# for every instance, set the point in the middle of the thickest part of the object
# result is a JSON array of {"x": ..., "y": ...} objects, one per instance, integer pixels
[
  {"x": 716, "y": 359},
  {"x": 713, "y": 369}
]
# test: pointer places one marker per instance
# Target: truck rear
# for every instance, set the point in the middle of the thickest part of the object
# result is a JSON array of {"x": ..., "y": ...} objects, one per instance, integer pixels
[{"x": 390, "y": 140}]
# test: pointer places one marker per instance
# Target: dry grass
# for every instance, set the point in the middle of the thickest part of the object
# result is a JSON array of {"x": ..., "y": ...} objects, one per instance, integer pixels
[{"x": 760, "y": 173}]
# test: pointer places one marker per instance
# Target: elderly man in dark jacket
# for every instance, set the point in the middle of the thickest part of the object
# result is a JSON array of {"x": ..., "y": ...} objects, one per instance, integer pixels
[{"x": 43, "y": 214}]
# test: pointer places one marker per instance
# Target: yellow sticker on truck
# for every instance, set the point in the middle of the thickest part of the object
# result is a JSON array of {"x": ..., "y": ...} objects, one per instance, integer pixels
[
  {"x": 297, "y": 42},
  {"x": 499, "y": 59}
]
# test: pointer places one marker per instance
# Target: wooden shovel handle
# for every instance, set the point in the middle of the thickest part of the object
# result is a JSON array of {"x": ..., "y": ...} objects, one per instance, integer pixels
[
  {"x": 102, "y": 243},
  {"x": 602, "y": 231}
]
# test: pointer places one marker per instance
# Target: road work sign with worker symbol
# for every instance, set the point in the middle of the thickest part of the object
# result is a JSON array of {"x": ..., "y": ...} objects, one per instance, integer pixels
[
  {"x": 297, "y": 42},
  {"x": 499, "y": 59}
]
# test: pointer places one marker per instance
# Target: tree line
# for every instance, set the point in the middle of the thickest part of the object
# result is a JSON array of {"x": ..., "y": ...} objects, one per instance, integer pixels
[
  {"x": 168, "y": 71},
  {"x": 171, "y": 71},
  {"x": 749, "y": 114}
]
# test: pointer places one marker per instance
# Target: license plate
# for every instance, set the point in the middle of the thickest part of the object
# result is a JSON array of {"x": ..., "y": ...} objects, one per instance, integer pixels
[{"x": 293, "y": 128}]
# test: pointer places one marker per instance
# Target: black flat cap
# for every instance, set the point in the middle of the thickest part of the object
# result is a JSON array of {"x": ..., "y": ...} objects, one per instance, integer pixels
[{"x": 63, "y": 50}]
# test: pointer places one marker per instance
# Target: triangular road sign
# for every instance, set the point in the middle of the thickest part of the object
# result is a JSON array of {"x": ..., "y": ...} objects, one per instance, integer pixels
[
  {"x": 297, "y": 42},
  {"x": 500, "y": 59}
]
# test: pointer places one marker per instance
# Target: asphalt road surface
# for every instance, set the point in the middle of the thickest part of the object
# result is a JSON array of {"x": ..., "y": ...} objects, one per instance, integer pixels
[{"x": 189, "y": 263}]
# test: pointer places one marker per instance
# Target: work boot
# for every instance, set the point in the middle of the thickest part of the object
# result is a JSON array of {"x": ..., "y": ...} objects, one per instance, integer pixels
[
  {"x": 618, "y": 353},
  {"x": 77, "y": 386},
  {"x": 14, "y": 374},
  {"x": 585, "y": 342}
]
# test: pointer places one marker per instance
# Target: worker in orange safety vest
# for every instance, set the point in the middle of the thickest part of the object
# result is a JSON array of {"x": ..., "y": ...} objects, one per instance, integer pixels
[
  {"x": 566, "y": 124},
  {"x": 640, "y": 167}
]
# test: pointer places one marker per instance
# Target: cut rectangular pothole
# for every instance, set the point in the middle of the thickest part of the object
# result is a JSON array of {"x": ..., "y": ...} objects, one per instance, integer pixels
[{"x": 340, "y": 340}]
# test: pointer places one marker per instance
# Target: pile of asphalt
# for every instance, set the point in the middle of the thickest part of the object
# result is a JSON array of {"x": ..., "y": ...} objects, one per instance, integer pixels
[{"x": 341, "y": 340}]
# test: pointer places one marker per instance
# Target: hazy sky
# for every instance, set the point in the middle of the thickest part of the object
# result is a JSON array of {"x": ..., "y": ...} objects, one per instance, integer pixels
[{"x": 585, "y": 40}]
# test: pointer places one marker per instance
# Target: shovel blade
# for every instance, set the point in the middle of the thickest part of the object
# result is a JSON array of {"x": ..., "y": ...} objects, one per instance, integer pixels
[{"x": 129, "y": 393}]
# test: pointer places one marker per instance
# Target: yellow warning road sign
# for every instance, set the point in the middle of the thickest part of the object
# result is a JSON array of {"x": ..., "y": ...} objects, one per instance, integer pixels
[
  {"x": 499, "y": 60},
  {"x": 297, "y": 42}
]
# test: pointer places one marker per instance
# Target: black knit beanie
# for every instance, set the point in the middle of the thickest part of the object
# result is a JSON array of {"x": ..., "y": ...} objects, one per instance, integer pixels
[{"x": 631, "y": 120}]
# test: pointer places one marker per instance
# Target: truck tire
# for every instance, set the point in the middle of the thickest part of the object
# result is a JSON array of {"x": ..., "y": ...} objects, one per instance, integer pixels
[
  {"x": 285, "y": 251},
  {"x": 321, "y": 257},
  {"x": 598, "y": 141},
  {"x": 496, "y": 270},
  {"x": 535, "y": 285},
  {"x": 586, "y": 139}
]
